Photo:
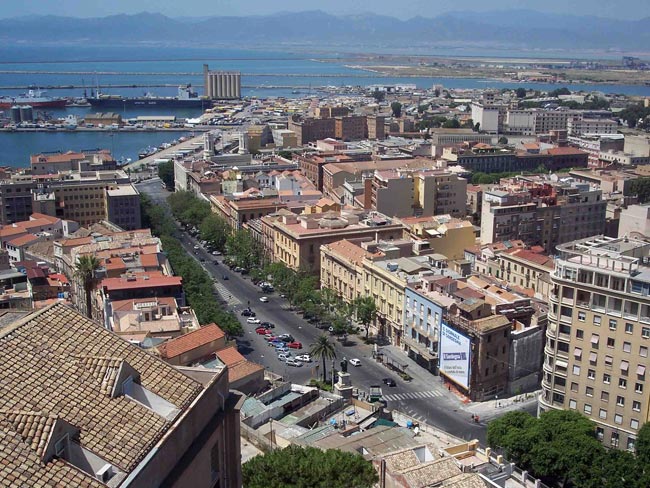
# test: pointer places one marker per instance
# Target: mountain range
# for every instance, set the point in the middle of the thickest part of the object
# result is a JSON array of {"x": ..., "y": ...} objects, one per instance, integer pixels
[{"x": 519, "y": 29}]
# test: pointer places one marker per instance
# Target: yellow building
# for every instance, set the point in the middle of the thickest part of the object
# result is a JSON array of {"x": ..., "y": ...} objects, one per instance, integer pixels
[{"x": 444, "y": 234}]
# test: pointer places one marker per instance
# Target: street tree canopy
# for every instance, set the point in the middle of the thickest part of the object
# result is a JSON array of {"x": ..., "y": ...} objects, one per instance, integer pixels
[{"x": 308, "y": 467}]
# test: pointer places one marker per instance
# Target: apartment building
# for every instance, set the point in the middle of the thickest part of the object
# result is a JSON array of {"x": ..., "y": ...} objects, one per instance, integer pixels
[
  {"x": 54, "y": 163},
  {"x": 238, "y": 211},
  {"x": 442, "y": 138},
  {"x": 376, "y": 130},
  {"x": 351, "y": 127},
  {"x": 635, "y": 221},
  {"x": 329, "y": 111},
  {"x": 542, "y": 212},
  {"x": 440, "y": 234},
  {"x": 312, "y": 165},
  {"x": 404, "y": 193},
  {"x": 16, "y": 198},
  {"x": 598, "y": 336},
  {"x": 578, "y": 126},
  {"x": 297, "y": 239},
  {"x": 308, "y": 129},
  {"x": 122, "y": 204}
]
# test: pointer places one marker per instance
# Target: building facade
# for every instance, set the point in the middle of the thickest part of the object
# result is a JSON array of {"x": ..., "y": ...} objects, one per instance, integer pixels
[{"x": 598, "y": 336}]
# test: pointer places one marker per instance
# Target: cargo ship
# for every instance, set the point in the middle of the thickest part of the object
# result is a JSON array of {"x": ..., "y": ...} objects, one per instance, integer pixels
[
  {"x": 33, "y": 98},
  {"x": 187, "y": 98}
]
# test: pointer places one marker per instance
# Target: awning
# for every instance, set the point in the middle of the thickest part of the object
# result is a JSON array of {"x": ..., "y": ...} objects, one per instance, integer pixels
[
  {"x": 625, "y": 365},
  {"x": 640, "y": 370},
  {"x": 592, "y": 357},
  {"x": 561, "y": 364},
  {"x": 595, "y": 338},
  {"x": 577, "y": 352}
]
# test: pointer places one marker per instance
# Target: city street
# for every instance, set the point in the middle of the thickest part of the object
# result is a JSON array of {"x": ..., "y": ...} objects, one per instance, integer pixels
[{"x": 425, "y": 397}]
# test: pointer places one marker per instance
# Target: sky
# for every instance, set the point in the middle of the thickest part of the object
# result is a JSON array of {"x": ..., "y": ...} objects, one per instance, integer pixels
[{"x": 620, "y": 9}]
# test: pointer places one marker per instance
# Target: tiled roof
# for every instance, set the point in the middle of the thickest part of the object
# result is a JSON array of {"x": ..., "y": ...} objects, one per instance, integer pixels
[
  {"x": 104, "y": 369},
  {"x": 187, "y": 342},
  {"x": 23, "y": 240},
  {"x": 42, "y": 372},
  {"x": 153, "y": 280},
  {"x": 238, "y": 366},
  {"x": 33, "y": 427}
]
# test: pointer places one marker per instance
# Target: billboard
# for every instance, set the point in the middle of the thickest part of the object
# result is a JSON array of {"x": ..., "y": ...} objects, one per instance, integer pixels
[{"x": 454, "y": 355}]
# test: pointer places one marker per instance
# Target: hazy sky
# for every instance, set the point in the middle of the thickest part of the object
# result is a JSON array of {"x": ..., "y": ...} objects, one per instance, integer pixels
[{"x": 623, "y": 9}]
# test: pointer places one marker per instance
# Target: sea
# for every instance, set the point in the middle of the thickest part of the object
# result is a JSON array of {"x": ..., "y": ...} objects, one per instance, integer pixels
[{"x": 265, "y": 73}]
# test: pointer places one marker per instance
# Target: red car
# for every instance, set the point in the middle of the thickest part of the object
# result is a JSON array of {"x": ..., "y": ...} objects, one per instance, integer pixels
[
  {"x": 270, "y": 338},
  {"x": 261, "y": 331},
  {"x": 294, "y": 345}
]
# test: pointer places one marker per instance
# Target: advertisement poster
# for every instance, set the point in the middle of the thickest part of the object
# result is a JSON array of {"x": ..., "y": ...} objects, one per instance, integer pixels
[{"x": 454, "y": 355}]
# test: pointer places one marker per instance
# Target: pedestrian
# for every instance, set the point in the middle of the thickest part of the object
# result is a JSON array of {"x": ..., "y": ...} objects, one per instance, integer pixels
[{"x": 449, "y": 387}]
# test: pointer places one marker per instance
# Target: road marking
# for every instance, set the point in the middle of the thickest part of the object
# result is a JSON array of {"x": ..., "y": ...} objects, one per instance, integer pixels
[
  {"x": 226, "y": 296},
  {"x": 412, "y": 395}
]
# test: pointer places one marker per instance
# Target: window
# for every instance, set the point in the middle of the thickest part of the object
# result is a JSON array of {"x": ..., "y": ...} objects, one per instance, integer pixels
[
  {"x": 618, "y": 419},
  {"x": 580, "y": 334},
  {"x": 607, "y": 379},
  {"x": 622, "y": 383},
  {"x": 631, "y": 444},
  {"x": 574, "y": 387},
  {"x": 634, "y": 423},
  {"x": 614, "y": 440},
  {"x": 587, "y": 409},
  {"x": 595, "y": 338},
  {"x": 604, "y": 396},
  {"x": 576, "y": 370},
  {"x": 636, "y": 406},
  {"x": 602, "y": 413},
  {"x": 608, "y": 361},
  {"x": 643, "y": 351},
  {"x": 597, "y": 320},
  {"x": 600, "y": 433},
  {"x": 582, "y": 316},
  {"x": 577, "y": 353},
  {"x": 620, "y": 401},
  {"x": 645, "y": 332},
  {"x": 629, "y": 328},
  {"x": 589, "y": 391},
  {"x": 638, "y": 388},
  {"x": 610, "y": 342},
  {"x": 612, "y": 324},
  {"x": 572, "y": 404},
  {"x": 591, "y": 374},
  {"x": 631, "y": 310}
]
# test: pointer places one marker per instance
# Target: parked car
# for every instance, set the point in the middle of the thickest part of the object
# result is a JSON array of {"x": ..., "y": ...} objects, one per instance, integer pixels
[
  {"x": 294, "y": 345},
  {"x": 247, "y": 312},
  {"x": 286, "y": 337},
  {"x": 261, "y": 331},
  {"x": 293, "y": 362},
  {"x": 224, "y": 277},
  {"x": 238, "y": 269},
  {"x": 216, "y": 253},
  {"x": 355, "y": 362},
  {"x": 276, "y": 343},
  {"x": 264, "y": 299},
  {"x": 253, "y": 320},
  {"x": 268, "y": 289},
  {"x": 284, "y": 356},
  {"x": 196, "y": 247},
  {"x": 271, "y": 338},
  {"x": 268, "y": 325},
  {"x": 305, "y": 358},
  {"x": 389, "y": 382}
]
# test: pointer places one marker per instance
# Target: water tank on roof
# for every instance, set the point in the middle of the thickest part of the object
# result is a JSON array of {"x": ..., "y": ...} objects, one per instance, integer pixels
[{"x": 392, "y": 267}]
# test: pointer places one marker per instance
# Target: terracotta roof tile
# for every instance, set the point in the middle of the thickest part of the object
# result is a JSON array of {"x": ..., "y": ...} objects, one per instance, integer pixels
[
  {"x": 187, "y": 342},
  {"x": 41, "y": 371}
]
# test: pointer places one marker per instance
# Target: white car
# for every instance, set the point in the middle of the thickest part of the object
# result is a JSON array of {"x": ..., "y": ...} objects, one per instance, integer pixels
[
  {"x": 355, "y": 362},
  {"x": 253, "y": 320},
  {"x": 284, "y": 356},
  {"x": 305, "y": 358},
  {"x": 293, "y": 362},
  {"x": 216, "y": 253},
  {"x": 264, "y": 299},
  {"x": 197, "y": 247}
]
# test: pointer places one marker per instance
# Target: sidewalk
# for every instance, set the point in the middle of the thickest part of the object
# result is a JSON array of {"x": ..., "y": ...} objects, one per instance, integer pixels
[{"x": 495, "y": 408}]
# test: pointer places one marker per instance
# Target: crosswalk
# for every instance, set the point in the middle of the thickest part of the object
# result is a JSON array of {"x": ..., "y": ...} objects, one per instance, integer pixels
[
  {"x": 227, "y": 297},
  {"x": 412, "y": 395}
]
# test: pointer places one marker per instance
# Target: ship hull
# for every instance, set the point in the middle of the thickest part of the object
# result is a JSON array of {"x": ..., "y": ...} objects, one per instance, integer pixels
[
  {"x": 46, "y": 104},
  {"x": 151, "y": 102}
]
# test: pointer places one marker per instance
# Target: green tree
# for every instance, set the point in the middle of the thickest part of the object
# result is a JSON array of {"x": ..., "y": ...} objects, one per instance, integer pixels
[
  {"x": 643, "y": 444},
  {"x": 396, "y": 107},
  {"x": 324, "y": 350},
  {"x": 451, "y": 124},
  {"x": 641, "y": 188},
  {"x": 308, "y": 467},
  {"x": 286, "y": 154},
  {"x": 521, "y": 92},
  {"x": 503, "y": 140},
  {"x": 215, "y": 230},
  {"x": 188, "y": 209},
  {"x": 243, "y": 249},
  {"x": 166, "y": 173},
  {"x": 379, "y": 96},
  {"x": 85, "y": 271},
  {"x": 366, "y": 311}
]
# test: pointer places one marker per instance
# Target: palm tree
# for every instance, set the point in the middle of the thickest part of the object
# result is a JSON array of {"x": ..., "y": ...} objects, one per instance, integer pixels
[
  {"x": 324, "y": 350},
  {"x": 85, "y": 271}
]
